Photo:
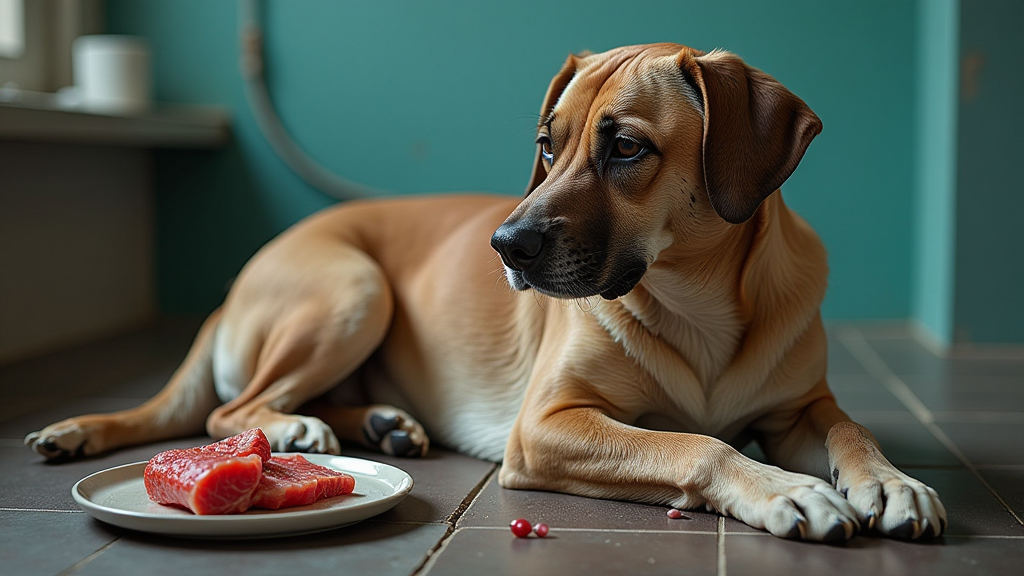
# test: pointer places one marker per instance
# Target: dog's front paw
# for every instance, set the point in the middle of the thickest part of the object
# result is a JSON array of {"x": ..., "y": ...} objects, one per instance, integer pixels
[
  {"x": 302, "y": 434},
  {"x": 394, "y": 432},
  {"x": 65, "y": 440},
  {"x": 792, "y": 505},
  {"x": 890, "y": 501}
]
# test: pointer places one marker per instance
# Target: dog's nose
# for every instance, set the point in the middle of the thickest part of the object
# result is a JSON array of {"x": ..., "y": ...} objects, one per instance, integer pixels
[{"x": 518, "y": 245}]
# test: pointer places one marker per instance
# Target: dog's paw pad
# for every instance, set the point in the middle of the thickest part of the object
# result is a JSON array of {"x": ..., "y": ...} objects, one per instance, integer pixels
[
  {"x": 400, "y": 443},
  {"x": 378, "y": 425},
  {"x": 394, "y": 432}
]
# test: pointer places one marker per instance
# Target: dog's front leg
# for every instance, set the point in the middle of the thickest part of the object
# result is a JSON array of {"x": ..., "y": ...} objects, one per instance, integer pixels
[
  {"x": 581, "y": 450},
  {"x": 820, "y": 439}
]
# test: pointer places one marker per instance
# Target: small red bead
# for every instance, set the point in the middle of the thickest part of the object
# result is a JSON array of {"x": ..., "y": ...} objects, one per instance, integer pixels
[
  {"x": 521, "y": 528},
  {"x": 541, "y": 530},
  {"x": 674, "y": 514}
]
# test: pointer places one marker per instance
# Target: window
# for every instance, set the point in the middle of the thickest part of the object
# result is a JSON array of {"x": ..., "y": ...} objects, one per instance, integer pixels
[
  {"x": 36, "y": 37},
  {"x": 12, "y": 28}
]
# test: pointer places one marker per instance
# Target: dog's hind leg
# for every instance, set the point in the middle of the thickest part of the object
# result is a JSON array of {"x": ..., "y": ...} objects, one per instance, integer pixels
[
  {"x": 308, "y": 343},
  {"x": 180, "y": 409}
]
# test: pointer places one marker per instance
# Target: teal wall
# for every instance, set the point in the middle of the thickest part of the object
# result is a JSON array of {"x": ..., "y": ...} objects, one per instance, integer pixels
[
  {"x": 935, "y": 184},
  {"x": 415, "y": 96},
  {"x": 989, "y": 293}
]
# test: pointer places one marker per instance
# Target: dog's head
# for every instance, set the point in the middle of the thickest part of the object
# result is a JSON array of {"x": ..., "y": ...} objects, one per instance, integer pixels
[{"x": 636, "y": 146}]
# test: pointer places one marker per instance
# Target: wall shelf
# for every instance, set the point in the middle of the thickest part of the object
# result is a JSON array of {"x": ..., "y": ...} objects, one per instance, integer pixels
[{"x": 166, "y": 126}]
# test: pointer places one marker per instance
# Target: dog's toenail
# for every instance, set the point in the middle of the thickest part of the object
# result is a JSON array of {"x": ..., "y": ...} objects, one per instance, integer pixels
[{"x": 904, "y": 531}]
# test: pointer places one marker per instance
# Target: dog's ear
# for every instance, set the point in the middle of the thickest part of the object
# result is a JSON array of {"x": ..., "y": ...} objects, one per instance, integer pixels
[
  {"x": 555, "y": 89},
  {"x": 755, "y": 131}
]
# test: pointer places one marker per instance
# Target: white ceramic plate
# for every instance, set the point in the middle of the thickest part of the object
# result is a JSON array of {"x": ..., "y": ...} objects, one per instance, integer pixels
[{"x": 118, "y": 496}]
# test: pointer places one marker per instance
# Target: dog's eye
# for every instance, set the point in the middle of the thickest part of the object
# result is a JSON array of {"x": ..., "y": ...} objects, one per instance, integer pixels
[
  {"x": 626, "y": 149},
  {"x": 545, "y": 148}
]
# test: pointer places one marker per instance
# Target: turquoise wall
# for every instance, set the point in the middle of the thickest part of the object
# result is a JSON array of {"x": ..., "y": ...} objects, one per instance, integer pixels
[
  {"x": 989, "y": 298},
  {"x": 935, "y": 185},
  {"x": 431, "y": 96}
]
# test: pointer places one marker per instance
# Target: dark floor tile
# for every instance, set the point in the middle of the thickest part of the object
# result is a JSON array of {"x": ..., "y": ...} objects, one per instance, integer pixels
[
  {"x": 46, "y": 543},
  {"x": 27, "y": 482},
  {"x": 841, "y": 361},
  {"x": 378, "y": 548},
  {"x": 761, "y": 555},
  {"x": 1009, "y": 484},
  {"x": 971, "y": 508},
  {"x": 862, "y": 392},
  {"x": 904, "y": 440},
  {"x": 12, "y": 407},
  {"x": 441, "y": 482},
  {"x": 907, "y": 357},
  {"x": 497, "y": 506},
  {"x": 996, "y": 443},
  {"x": 497, "y": 552},
  {"x": 956, "y": 392},
  {"x": 58, "y": 409}
]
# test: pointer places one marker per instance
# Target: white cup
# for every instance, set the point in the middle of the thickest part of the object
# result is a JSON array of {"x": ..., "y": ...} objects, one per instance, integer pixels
[{"x": 112, "y": 73}]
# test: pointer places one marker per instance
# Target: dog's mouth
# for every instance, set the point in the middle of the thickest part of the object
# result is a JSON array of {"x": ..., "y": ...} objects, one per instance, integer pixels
[{"x": 565, "y": 284}]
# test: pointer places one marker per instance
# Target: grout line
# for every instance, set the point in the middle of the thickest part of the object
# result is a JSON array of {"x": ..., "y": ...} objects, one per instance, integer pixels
[
  {"x": 869, "y": 358},
  {"x": 609, "y": 530},
  {"x": 979, "y": 416},
  {"x": 435, "y": 553},
  {"x": 472, "y": 497},
  {"x": 721, "y": 546},
  {"x": 724, "y": 532},
  {"x": 1019, "y": 467},
  {"x": 7, "y": 509},
  {"x": 84, "y": 561},
  {"x": 452, "y": 520}
]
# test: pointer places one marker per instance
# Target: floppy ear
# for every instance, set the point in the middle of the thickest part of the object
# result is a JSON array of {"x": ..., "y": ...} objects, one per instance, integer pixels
[
  {"x": 555, "y": 89},
  {"x": 755, "y": 131}
]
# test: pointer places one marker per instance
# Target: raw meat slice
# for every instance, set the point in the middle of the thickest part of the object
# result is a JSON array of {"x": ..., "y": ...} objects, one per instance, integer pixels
[
  {"x": 294, "y": 481},
  {"x": 218, "y": 478}
]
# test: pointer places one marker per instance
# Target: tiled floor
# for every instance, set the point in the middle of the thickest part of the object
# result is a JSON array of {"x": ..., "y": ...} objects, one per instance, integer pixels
[{"x": 957, "y": 424}]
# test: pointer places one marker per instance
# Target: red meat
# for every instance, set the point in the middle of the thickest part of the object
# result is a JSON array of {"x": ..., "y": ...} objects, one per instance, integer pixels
[
  {"x": 219, "y": 478},
  {"x": 294, "y": 481}
]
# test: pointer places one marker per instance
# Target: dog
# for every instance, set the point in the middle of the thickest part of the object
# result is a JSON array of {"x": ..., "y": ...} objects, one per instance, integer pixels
[{"x": 653, "y": 305}]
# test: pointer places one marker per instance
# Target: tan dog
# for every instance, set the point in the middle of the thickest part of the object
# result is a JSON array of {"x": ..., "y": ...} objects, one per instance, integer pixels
[{"x": 655, "y": 187}]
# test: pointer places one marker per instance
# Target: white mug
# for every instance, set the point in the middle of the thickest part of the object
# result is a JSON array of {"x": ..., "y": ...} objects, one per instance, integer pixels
[{"x": 112, "y": 73}]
